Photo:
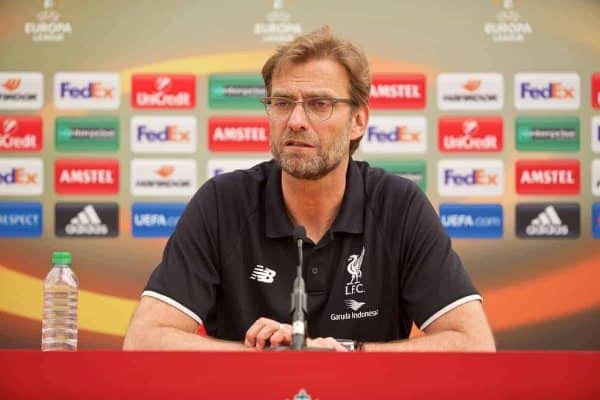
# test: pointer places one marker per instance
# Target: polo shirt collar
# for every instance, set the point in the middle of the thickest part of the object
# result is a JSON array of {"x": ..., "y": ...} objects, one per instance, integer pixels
[{"x": 349, "y": 219}]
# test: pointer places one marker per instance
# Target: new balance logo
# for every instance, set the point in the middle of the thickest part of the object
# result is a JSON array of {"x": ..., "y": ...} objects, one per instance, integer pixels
[
  {"x": 263, "y": 274},
  {"x": 354, "y": 305},
  {"x": 547, "y": 223},
  {"x": 87, "y": 222}
]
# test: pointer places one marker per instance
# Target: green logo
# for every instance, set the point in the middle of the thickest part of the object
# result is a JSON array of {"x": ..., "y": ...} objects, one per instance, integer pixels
[
  {"x": 415, "y": 170},
  {"x": 547, "y": 133},
  {"x": 98, "y": 133},
  {"x": 235, "y": 91}
]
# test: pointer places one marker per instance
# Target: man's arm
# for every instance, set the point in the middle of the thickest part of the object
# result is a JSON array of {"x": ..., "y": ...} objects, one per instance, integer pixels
[
  {"x": 156, "y": 325},
  {"x": 464, "y": 328}
]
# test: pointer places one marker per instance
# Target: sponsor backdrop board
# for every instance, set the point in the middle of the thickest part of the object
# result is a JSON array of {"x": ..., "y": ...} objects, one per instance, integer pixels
[{"x": 111, "y": 117}]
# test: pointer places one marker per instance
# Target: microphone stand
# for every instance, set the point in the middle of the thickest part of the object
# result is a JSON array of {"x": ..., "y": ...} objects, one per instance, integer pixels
[{"x": 298, "y": 303}]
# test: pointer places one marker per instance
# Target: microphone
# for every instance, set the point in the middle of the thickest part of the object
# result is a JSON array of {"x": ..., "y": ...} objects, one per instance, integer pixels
[{"x": 298, "y": 309}]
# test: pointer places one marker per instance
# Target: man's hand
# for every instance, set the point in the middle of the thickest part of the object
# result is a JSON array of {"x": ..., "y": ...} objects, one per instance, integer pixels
[{"x": 278, "y": 334}]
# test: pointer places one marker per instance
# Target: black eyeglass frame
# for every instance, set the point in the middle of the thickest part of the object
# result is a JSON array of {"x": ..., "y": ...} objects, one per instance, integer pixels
[{"x": 334, "y": 100}]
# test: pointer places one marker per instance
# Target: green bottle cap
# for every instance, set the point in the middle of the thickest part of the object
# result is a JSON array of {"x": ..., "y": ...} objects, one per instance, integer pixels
[{"x": 61, "y": 257}]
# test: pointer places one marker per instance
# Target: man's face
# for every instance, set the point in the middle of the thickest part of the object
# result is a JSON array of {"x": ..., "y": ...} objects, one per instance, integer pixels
[{"x": 306, "y": 147}]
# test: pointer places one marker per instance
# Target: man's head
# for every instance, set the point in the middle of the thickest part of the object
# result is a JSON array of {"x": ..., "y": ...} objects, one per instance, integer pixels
[{"x": 318, "y": 65}]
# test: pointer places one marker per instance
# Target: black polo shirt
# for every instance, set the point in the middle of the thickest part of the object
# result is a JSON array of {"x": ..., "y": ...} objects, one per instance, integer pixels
[{"x": 385, "y": 262}]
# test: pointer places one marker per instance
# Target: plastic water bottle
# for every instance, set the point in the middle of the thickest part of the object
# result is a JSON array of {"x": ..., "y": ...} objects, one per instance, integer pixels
[{"x": 59, "y": 319}]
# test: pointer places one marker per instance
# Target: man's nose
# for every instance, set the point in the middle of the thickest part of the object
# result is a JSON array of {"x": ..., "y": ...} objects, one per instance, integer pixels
[{"x": 298, "y": 119}]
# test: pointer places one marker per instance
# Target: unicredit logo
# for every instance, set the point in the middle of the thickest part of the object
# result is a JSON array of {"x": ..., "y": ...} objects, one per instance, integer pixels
[
  {"x": 476, "y": 134},
  {"x": 547, "y": 177},
  {"x": 238, "y": 134},
  {"x": 19, "y": 133},
  {"x": 595, "y": 95},
  {"x": 163, "y": 91},
  {"x": 98, "y": 176},
  {"x": 398, "y": 91}
]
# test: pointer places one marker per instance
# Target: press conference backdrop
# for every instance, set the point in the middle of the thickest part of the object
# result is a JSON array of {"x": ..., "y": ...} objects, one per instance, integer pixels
[{"x": 113, "y": 113}]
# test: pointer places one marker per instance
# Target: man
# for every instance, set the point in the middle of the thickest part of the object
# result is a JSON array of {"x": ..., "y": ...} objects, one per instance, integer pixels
[{"x": 376, "y": 258}]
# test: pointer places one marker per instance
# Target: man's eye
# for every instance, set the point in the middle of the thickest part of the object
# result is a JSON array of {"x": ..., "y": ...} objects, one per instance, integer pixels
[
  {"x": 280, "y": 103},
  {"x": 319, "y": 104}
]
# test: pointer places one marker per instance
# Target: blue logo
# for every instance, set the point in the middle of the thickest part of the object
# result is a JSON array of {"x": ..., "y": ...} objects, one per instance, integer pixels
[
  {"x": 472, "y": 220},
  {"x": 596, "y": 220},
  {"x": 21, "y": 219},
  {"x": 155, "y": 219}
]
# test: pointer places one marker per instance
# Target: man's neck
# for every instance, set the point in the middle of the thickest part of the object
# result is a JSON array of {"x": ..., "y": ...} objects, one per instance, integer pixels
[{"x": 314, "y": 204}]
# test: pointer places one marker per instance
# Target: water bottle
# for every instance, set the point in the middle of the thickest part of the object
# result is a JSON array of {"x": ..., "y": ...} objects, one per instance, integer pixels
[{"x": 59, "y": 319}]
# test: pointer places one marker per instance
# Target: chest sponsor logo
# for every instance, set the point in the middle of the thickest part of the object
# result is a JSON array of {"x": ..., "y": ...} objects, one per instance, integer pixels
[
  {"x": 87, "y": 91},
  {"x": 547, "y": 133},
  {"x": 235, "y": 91},
  {"x": 163, "y": 134},
  {"x": 596, "y": 134},
  {"x": 596, "y": 177},
  {"x": 218, "y": 166},
  {"x": 86, "y": 220},
  {"x": 473, "y": 177},
  {"x": 415, "y": 171},
  {"x": 596, "y": 220},
  {"x": 21, "y": 176},
  {"x": 471, "y": 134},
  {"x": 21, "y": 90},
  {"x": 547, "y": 177},
  {"x": 395, "y": 135},
  {"x": 86, "y": 176},
  {"x": 477, "y": 91},
  {"x": 154, "y": 91},
  {"x": 546, "y": 91},
  {"x": 155, "y": 219},
  {"x": 595, "y": 95},
  {"x": 21, "y": 219},
  {"x": 167, "y": 177},
  {"x": 263, "y": 274},
  {"x": 398, "y": 91},
  {"x": 238, "y": 134},
  {"x": 97, "y": 133},
  {"x": 548, "y": 220},
  {"x": 475, "y": 221},
  {"x": 20, "y": 133}
]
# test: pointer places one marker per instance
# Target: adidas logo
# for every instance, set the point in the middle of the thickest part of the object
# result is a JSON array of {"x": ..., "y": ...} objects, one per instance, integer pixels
[
  {"x": 87, "y": 222},
  {"x": 547, "y": 223}
]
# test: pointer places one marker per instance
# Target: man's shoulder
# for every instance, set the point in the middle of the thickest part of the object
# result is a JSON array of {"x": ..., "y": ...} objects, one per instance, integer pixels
[
  {"x": 239, "y": 179},
  {"x": 380, "y": 184}
]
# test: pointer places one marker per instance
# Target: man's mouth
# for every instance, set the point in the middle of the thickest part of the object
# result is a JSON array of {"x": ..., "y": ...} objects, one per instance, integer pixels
[{"x": 297, "y": 143}]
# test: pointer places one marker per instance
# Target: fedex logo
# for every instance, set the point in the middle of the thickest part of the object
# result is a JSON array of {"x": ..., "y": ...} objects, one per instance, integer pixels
[
  {"x": 547, "y": 91},
  {"x": 470, "y": 177},
  {"x": 548, "y": 177},
  {"x": 474, "y": 134},
  {"x": 154, "y": 91},
  {"x": 21, "y": 176},
  {"x": 154, "y": 134},
  {"x": 395, "y": 135},
  {"x": 86, "y": 176},
  {"x": 595, "y": 95},
  {"x": 87, "y": 91},
  {"x": 238, "y": 134},
  {"x": 20, "y": 133},
  {"x": 595, "y": 129},
  {"x": 397, "y": 91}
]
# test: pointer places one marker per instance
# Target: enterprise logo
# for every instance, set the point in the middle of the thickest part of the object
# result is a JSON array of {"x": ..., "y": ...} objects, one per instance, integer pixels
[
  {"x": 398, "y": 91},
  {"x": 395, "y": 135},
  {"x": 86, "y": 219},
  {"x": 155, "y": 219},
  {"x": 472, "y": 177},
  {"x": 20, "y": 133},
  {"x": 472, "y": 220},
  {"x": 21, "y": 90},
  {"x": 175, "y": 134},
  {"x": 87, "y": 91},
  {"x": 154, "y": 91},
  {"x": 483, "y": 91},
  {"x": 21, "y": 220},
  {"x": 93, "y": 133},
  {"x": 235, "y": 91},
  {"x": 470, "y": 134},
  {"x": 548, "y": 177},
  {"x": 163, "y": 177},
  {"x": 547, "y": 91},
  {"x": 559, "y": 220}
]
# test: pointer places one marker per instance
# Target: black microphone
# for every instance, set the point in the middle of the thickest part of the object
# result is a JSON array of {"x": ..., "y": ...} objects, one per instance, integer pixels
[{"x": 298, "y": 309}]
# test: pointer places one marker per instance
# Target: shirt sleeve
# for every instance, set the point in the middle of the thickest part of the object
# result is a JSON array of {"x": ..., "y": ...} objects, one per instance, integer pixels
[
  {"x": 434, "y": 280},
  {"x": 188, "y": 275}
]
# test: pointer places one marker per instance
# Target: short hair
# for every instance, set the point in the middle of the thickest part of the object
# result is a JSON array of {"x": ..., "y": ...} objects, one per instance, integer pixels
[{"x": 319, "y": 44}]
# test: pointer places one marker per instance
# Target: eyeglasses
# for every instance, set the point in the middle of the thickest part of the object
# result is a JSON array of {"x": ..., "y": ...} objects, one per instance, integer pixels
[{"x": 320, "y": 108}]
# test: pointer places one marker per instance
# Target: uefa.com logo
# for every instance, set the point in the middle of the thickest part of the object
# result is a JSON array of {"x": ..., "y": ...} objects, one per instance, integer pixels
[
  {"x": 470, "y": 91},
  {"x": 386, "y": 134},
  {"x": 163, "y": 91},
  {"x": 238, "y": 134},
  {"x": 548, "y": 177},
  {"x": 87, "y": 91},
  {"x": 155, "y": 219},
  {"x": 86, "y": 176},
  {"x": 398, "y": 91},
  {"x": 470, "y": 134},
  {"x": 21, "y": 176},
  {"x": 218, "y": 166},
  {"x": 547, "y": 91},
  {"x": 21, "y": 90},
  {"x": 474, "y": 221},
  {"x": 163, "y": 134},
  {"x": 470, "y": 177},
  {"x": 20, "y": 133},
  {"x": 163, "y": 177}
]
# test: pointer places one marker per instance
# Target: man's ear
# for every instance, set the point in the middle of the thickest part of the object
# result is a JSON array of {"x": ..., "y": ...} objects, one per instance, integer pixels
[{"x": 360, "y": 120}]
